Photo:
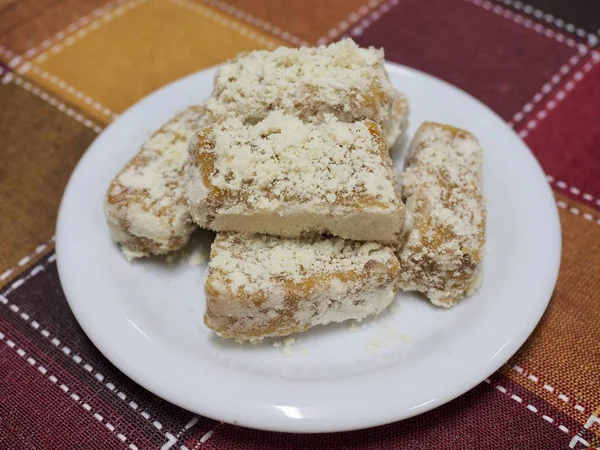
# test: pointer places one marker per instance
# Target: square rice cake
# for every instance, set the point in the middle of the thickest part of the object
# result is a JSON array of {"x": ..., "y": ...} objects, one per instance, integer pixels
[
  {"x": 289, "y": 178},
  {"x": 259, "y": 286},
  {"x": 342, "y": 79}
]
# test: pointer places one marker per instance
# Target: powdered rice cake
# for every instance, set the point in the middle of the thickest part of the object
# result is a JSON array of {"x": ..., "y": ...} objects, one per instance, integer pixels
[
  {"x": 289, "y": 178},
  {"x": 341, "y": 79},
  {"x": 259, "y": 286},
  {"x": 144, "y": 205},
  {"x": 445, "y": 214}
]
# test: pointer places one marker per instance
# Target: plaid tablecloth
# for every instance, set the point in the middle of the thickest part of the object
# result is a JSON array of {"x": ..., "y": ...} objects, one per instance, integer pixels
[{"x": 68, "y": 68}]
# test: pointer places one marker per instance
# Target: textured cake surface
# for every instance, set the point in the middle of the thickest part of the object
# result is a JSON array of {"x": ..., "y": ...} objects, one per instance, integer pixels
[
  {"x": 144, "y": 206},
  {"x": 259, "y": 286},
  {"x": 445, "y": 214},
  {"x": 341, "y": 79},
  {"x": 286, "y": 177}
]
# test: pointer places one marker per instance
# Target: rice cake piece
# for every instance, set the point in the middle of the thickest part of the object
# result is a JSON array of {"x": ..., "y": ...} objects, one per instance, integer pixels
[
  {"x": 144, "y": 206},
  {"x": 261, "y": 286},
  {"x": 308, "y": 82},
  {"x": 289, "y": 178},
  {"x": 445, "y": 214}
]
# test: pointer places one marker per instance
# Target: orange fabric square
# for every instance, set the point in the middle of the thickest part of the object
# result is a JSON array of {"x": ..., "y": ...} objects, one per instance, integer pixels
[
  {"x": 138, "y": 48},
  {"x": 557, "y": 361},
  {"x": 40, "y": 147}
]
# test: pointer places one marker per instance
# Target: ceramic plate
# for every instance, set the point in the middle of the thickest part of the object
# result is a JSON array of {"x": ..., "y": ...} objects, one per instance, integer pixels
[{"x": 146, "y": 316}]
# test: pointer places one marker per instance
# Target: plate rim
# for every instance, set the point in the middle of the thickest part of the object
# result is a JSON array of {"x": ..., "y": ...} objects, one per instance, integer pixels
[{"x": 302, "y": 426}]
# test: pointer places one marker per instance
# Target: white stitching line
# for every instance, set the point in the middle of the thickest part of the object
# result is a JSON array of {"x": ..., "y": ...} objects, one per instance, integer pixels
[
  {"x": 206, "y": 436},
  {"x": 348, "y": 22},
  {"x": 224, "y": 21},
  {"x": 559, "y": 23},
  {"x": 575, "y": 191},
  {"x": 578, "y": 439},
  {"x": 541, "y": 115},
  {"x": 20, "y": 282},
  {"x": 259, "y": 23},
  {"x": 564, "y": 70},
  {"x": 547, "y": 387},
  {"x": 79, "y": 29},
  {"x": 373, "y": 17},
  {"x": 575, "y": 211},
  {"x": 588, "y": 424},
  {"x": 7, "y": 76},
  {"x": 530, "y": 407},
  {"x": 527, "y": 23},
  {"x": 57, "y": 343},
  {"x": 57, "y": 104},
  {"x": 63, "y": 387},
  {"x": 39, "y": 249},
  {"x": 560, "y": 95},
  {"x": 6, "y": 52},
  {"x": 191, "y": 423},
  {"x": 171, "y": 440},
  {"x": 13, "y": 59},
  {"x": 61, "y": 35},
  {"x": 74, "y": 92},
  {"x": 591, "y": 421}
]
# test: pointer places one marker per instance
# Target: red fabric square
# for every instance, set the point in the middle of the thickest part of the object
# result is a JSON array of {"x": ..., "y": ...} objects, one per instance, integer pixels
[
  {"x": 564, "y": 134},
  {"x": 37, "y": 413},
  {"x": 58, "y": 344},
  {"x": 483, "y": 418},
  {"x": 499, "y": 61}
]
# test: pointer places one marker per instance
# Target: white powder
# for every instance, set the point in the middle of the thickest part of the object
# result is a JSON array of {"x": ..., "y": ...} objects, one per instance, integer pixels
[
  {"x": 144, "y": 205},
  {"x": 266, "y": 258},
  {"x": 445, "y": 171},
  {"x": 285, "y": 177},
  {"x": 445, "y": 214},
  {"x": 300, "y": 162},
  {"x": 307, "y": 82},
  {"x": 266, "y": 286}
]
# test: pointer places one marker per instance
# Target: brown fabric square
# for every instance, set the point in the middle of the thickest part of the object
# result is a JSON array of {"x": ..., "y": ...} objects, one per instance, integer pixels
[
  {"x": 28, "y": 23},
  {"x": 563, "y": 350},
  {"x": 308, "y": 20},
  {"x": 40, "y": 147}
]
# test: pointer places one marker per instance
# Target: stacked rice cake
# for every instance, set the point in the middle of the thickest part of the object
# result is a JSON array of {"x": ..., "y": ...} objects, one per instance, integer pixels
[
  {"x": 294, "y": 144},
  {"x": 299, "y": 148},
  {"x": 260, "y": 285},
  {"x": 288, "y": 178},
  {"x": 309, "y": 83}
]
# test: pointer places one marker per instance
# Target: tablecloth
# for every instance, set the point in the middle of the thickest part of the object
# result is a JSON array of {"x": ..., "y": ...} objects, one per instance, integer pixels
[{"x": 68, "y": 68}]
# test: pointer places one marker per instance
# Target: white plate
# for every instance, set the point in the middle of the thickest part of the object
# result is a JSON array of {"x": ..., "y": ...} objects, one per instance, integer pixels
[{"x": 146, "y": 317}]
